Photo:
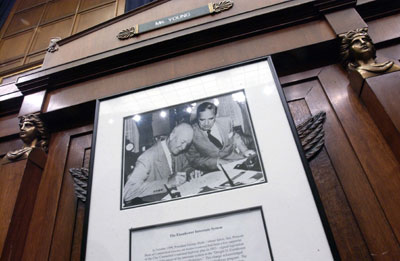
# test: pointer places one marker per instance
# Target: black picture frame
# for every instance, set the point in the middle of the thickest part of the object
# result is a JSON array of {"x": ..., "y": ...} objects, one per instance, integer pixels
[{"x": 312, "y": 186}]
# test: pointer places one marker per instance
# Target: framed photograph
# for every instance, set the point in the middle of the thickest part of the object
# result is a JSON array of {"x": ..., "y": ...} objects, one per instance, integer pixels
[
  {"x": 206, "y": 167},
  {"x": 147, "y": 139}
]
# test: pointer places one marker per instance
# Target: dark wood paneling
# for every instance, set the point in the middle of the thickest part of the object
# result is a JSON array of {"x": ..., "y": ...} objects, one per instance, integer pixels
[
  {"x": 345, "y": 20},
  {"x": 32, "y": 103},
  {"x": 327, "y": 170},
  {"x": 45, "y": 211},
  {"x": 67, "y": 213},
  {"x": 187, "y": 64},
  {"x": 78, "y": 232},
  {"x": 260, "y": 15},
  {"x": 9, "y": 188},
  {"x": 384, "y": 29},
  {"x": 375, "y": 157},
  {"x": 10, "y": 145},
  {"x": 9, "y": 125},
  {"x": 31, "y": 173},
  {"x": 381, "y": 96}
]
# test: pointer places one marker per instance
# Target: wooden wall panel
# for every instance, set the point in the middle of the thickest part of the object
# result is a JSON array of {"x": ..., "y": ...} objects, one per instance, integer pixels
[
  {"x": 187, "y": 64},
  {"x": 8, "y": 145},
  {"x": 69, "y": 221},
  {"x": 348, "y": 236},
  {"x": 84, "y": 46},
  {"x": 9, "y": 125},
  {"x": 375, "y": 156},
  {"x": 384, "y": 29},
  {"x": 48, "y": 196},
  {"x": 359, "y": 223},
  {"x": 9, "y": 188}
]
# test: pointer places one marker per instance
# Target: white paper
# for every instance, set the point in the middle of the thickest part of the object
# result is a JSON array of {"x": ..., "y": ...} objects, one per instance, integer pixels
[
  {"x": 219, "y": 238},
  {"x": 294, "y": 227}
]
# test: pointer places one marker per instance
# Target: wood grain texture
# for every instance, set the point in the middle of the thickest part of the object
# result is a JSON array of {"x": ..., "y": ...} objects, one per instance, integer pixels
[
  {"x": 12, "y": 144},
  {"x": 65, "y": 226},
  {"x": 384, "y": 29},
  {"x": 381, "y": 96},
  {"x": 187, "y": 64},
  {"x": 32, "y": 103},
  {"x": 377, "y": 219},
  {"x": 347, "y": 234},
  {"x": 47, "y": 202},
  {"x": 31, "y": 172},
  {"x": 9, "y": 125},
  {"x": 85, "y": 46},
  {"x": 345, "y": 20},
  {"x": 10, "y": 181},
  {"x": 78, "y": 232}
]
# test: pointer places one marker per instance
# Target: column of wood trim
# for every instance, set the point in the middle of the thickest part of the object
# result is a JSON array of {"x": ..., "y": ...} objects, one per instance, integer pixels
[
  {"x": 364, "y": 204},
  {"x": 328, "y": 167},
  {"x": 345, "y": 20},
  {"x": 41, "y": 228},
  {"x": 376, "y": 158},
  {"x": 63, "y": 235}
]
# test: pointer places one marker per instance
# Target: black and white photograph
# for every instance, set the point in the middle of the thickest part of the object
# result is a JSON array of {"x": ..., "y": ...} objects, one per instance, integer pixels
[
  {"x": 198, "y": 147},
  {"x": 170, "y": 156}
]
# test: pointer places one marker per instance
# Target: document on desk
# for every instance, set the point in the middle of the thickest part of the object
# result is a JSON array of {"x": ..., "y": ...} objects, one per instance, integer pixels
[
  {"x": 222, "y": 237},
  {"x": 216, "y": 180}
]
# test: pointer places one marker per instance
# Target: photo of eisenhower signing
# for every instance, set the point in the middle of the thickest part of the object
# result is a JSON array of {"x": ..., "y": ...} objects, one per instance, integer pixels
[{"x": 189, "y": 149}]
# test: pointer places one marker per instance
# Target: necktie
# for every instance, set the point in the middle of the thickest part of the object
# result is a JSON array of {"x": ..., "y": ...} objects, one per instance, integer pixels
[
  {"x": 173, "y": 165},
  {"x": 214, "y": 140}
]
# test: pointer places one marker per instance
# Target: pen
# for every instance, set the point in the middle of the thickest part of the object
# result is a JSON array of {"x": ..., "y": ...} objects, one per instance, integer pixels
[
  {"x": 227, "y": 176},
  {"x": 168, "y": 190}
]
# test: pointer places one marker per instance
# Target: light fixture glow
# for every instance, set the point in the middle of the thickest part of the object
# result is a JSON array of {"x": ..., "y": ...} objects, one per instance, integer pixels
[
  {"x": 137, "y": 118},
  {"x": 239, "y": 97}
]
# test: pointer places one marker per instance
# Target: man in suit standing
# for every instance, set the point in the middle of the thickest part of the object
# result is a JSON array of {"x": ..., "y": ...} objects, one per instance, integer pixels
[
  {"x": 161, "y": 165},
  {"x": 214, "y": 141}
]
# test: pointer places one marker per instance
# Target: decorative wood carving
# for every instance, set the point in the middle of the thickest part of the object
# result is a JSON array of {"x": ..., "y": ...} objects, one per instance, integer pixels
[
  {"x": 311, "y": 134},
  {"x": 80, "y": 176}
]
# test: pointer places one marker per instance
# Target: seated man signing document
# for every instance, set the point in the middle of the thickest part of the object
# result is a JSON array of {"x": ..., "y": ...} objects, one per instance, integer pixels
[
  {"x": 162, "y": 164},
  {"x": 214, "y": 141}
]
